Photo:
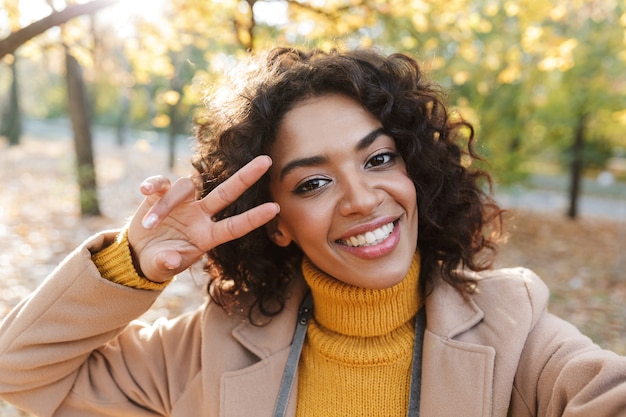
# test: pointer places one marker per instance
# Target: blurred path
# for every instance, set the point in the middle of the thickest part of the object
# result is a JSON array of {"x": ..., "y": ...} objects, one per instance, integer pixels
[
  {"x": 556, "y": 202},
  {"x": 61, "y": 129}
]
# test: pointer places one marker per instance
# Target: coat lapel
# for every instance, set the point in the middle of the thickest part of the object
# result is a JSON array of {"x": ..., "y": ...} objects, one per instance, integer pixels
[
  {"x": 457, "y": 377},
  {"x": 251, "y": 389}
]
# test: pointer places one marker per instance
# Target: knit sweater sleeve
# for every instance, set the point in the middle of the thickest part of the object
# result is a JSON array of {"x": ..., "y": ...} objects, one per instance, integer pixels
[{"x": 115, "y": 263}]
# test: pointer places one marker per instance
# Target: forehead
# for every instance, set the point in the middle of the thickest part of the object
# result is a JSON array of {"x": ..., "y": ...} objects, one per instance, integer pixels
[{"x": 323, "y": 124}]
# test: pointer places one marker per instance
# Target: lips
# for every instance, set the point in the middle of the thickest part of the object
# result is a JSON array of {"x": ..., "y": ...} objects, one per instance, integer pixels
[{"x": 370, "y": 238}]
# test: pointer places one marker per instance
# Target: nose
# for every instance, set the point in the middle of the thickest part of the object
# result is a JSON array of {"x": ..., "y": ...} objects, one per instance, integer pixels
[{"x": 359, "y": 196}]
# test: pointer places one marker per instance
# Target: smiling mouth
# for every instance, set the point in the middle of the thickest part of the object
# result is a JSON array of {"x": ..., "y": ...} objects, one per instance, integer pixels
[{"x": 370, "y": 238}]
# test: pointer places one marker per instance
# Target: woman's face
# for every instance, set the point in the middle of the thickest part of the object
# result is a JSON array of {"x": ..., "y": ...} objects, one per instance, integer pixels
[{"x": 344, "y": 194}]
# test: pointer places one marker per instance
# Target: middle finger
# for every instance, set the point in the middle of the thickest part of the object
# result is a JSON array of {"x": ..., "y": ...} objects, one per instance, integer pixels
[{"x": 227, "y": 192}]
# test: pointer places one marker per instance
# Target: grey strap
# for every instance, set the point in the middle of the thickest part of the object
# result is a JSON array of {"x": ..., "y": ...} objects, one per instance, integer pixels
[
  {"x": 304, "y": 313},
  {"x": 416, "y": 372},
  {"x": 294, "y": 356}
]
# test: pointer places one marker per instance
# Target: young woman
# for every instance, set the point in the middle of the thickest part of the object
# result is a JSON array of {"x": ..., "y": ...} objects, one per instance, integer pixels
[{"x": 349, "y": 251}]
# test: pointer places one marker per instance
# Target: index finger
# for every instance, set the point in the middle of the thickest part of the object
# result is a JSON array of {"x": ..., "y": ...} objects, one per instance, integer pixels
[{"x": 227, "y": 192}]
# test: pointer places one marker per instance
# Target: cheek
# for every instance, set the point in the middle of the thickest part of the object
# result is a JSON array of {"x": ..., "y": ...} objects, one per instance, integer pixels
[
  {"x": 406, "y": 192},
  {"x": 307, "y": 224}
]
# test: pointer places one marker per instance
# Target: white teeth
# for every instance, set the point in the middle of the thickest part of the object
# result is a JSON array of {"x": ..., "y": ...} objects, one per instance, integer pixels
[{"x": 370, "y": 238}]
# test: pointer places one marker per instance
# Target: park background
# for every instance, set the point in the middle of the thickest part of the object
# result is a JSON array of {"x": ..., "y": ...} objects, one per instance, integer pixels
[{"x": 97, "y": 95}]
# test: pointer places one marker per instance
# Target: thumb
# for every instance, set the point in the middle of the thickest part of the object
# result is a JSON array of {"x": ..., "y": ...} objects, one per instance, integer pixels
[
  {"x": 166, "y": 264},
  {"x": 169, "y": 260}
]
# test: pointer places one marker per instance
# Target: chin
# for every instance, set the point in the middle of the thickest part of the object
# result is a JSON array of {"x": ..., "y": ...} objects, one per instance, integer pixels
[{"x": 379, "y": 283}]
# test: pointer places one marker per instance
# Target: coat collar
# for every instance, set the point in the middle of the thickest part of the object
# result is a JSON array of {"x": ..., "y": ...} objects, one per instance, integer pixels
[
  {"x": 242, "y": 373},
  {"x": 450, "y": 312},
  {"x": 454, "y": 367},
  {"x": 266, "y": 340},
  {"x": 450, "y": 366}
]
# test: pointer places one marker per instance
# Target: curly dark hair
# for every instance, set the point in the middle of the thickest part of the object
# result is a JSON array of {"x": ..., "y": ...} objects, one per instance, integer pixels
[{"x": 240, "y": 121}]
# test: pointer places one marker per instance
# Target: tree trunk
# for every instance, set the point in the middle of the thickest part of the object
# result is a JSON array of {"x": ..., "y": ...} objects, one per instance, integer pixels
[
  {"x": 172, "y": 136},
  {"x": 245, "y": 30},
  {"x": 12, "y": 119},
  {"x": 79, "y": 114},
  {"x": 576, "y": 167},
  {"x": 175, "y": 122},
  {"x": 121, "y": 123}
]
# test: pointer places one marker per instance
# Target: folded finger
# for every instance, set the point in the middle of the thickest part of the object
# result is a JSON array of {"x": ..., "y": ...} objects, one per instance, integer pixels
[
  {"x": 157, "y": 184},
  {"x": 183, "y": 189}
]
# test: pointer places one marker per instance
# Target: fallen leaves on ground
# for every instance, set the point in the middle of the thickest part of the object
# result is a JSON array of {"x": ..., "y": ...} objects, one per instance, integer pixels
[{"x": 583, "y": 263}]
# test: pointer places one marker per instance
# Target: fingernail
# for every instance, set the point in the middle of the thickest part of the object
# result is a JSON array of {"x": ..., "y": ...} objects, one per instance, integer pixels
[
  {"x": 170, "y": 266},
  {"x": 147, "y": 187},
  {"x": 150, "y": 221}
]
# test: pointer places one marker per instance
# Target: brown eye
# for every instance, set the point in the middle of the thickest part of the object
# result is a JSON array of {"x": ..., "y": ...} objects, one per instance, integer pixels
[
  {"x": 380, "y": 160},
  {"x": 311, "y": 185}
]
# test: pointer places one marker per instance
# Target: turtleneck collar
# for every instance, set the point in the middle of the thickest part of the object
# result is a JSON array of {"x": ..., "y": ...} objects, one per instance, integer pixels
[{"x": 356, "y": 311}]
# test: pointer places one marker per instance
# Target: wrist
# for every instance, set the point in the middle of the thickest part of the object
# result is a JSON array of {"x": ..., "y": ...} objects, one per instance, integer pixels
[{"x": 117, "y": 264}]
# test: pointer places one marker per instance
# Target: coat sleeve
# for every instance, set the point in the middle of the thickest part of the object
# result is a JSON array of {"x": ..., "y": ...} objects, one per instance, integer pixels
[
  {"x": 68, "y": 349},
  {"x": 562, "y": 372}
]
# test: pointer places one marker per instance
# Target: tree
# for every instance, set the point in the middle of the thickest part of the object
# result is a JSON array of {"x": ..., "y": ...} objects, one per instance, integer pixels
[
  {"x": 538, "y": 79},
  {"x": 12, "y": 118},
  {"x": 77, "y": 97},
  {"x": 81, "y": 125},
  {"x": 585, "y": 80}
]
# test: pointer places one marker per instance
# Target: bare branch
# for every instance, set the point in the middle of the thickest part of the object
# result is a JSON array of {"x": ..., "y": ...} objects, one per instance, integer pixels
[
  {"x": 16, "y": 39},
  {"x": 333, "y": 15}
]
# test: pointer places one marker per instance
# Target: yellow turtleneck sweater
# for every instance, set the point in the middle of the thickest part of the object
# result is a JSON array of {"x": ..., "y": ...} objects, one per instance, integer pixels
[{"x": 356, "y": 359}]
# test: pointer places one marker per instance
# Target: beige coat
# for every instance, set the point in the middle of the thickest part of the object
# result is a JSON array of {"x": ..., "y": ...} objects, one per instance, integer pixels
[{"x": 68, "y": 350}]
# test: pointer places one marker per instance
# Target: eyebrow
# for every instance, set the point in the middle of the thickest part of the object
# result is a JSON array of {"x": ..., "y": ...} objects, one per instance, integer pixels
[{"x": 363, "y": 143}]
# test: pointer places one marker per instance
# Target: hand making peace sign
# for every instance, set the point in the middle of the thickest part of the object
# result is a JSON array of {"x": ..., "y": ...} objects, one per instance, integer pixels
[{"x": 171, "y": 229}]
